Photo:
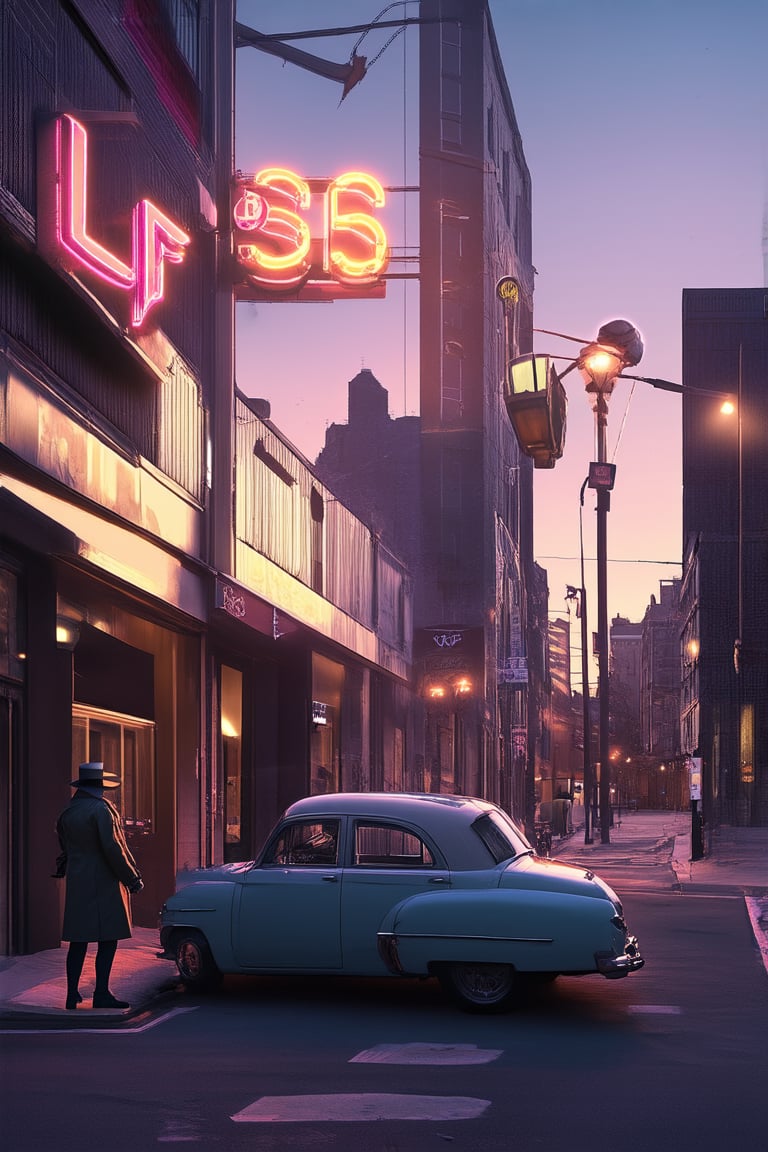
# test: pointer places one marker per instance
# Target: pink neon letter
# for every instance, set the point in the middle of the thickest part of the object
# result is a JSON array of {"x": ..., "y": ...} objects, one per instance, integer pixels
[
  {"x": 72, "y": 201},
  {"x": 155, "y": 240}
]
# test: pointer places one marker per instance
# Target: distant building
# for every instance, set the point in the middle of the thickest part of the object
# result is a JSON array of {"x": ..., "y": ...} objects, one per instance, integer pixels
[
  {"x": 647, "y": 767},
  {"x": 626, "y": 642},
  {"x": 373, "y": 462},
  {"x": 660, "y": 673},
  {"x": 725, "y": 537},
  {"x": 459, "y": 500},
  {"x": 567, "y": 759}
]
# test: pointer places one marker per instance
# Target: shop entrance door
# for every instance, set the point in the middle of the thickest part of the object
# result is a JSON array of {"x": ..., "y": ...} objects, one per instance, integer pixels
[
  {"x": 126, "y": 747},
  {"x": 10, "y": 727}
]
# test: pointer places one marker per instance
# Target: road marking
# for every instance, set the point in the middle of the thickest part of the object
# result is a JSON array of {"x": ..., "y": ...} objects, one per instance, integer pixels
[
  {"x": 654, "y": 1009},
  {"x": 179, "y": 1131},
  {"x": 121, "y": 1030},
  {"x": 427, "y": 1054},
  {"x": 360, "y": 1106}
]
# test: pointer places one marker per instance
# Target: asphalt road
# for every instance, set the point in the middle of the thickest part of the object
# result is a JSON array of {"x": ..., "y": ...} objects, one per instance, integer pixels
[{"x": 673, "y": 1057}]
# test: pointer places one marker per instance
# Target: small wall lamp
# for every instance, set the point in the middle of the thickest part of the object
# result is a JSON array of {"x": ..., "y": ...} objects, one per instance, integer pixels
[{"x": 67, "y": 632}]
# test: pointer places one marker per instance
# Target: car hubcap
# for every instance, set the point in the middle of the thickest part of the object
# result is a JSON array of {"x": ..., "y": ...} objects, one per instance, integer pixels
[
  {"x": 189, "y": 960},
  {"x": 484, "y": 983}
]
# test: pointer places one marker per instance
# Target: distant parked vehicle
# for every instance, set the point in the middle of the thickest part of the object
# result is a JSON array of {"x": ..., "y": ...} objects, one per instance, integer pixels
[
  {"x": 407, "y": 884},
  {"x": 543, "y": 837}
]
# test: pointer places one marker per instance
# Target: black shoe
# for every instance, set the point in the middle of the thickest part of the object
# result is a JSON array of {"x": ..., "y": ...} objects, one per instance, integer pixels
[
  {"x": 73, "y": 1000},
  {"x": 107, "y": 1000}
]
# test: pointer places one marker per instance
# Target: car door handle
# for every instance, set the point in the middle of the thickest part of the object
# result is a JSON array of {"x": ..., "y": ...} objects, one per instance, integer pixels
[
  {"x": 438, "y": 879},
  {"x": 331, "y": 879}
]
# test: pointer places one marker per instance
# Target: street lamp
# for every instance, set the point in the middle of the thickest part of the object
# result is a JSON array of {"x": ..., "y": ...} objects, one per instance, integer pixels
[
  {"x": 619, "y": 345},
  {"x": 738, "y": 778},
  {"x": 535, "y": 401},
  {"x": 536, "y": 404}
]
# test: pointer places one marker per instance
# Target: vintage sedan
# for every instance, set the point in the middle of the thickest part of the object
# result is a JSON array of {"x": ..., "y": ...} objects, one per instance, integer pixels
[{"x": 417, "y": 885}]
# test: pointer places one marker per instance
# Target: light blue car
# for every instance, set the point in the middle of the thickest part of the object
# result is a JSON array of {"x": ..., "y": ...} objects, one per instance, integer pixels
[{"x": 367, "y": 884}]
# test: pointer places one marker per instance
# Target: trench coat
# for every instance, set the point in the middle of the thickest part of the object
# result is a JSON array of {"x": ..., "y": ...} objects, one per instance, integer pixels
[{"x": 99, "y": 867}]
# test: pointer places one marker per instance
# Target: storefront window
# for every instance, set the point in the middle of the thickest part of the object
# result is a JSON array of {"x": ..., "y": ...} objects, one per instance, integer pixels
[
  {"x": 327, "y": 683},
  {"x": 126, "y": 747},
  {"x": 11, "y": 655},
  {"x": 232, "y": 741}
]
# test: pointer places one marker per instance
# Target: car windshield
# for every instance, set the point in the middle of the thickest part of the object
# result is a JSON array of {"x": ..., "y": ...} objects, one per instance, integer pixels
[{"x": 501, "y": 837}]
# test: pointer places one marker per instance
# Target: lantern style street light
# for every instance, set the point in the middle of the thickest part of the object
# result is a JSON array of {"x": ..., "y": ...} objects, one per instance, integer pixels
[{"x": 536, "y": 404}]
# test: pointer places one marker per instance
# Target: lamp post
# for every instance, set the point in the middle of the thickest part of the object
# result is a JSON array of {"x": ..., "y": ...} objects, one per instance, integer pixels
[
  {"x": 536, "y": 405},
  {"x": 619, "y": 345},
  {"x": 736, "y": 779}
]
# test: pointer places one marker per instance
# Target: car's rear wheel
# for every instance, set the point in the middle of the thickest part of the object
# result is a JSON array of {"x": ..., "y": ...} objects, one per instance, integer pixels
[
  {"x": 480, "y": 987},
  {"x": 194, "y": 961}
]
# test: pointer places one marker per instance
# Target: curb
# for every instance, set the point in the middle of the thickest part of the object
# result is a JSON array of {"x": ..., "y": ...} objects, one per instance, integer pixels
[
  {"x": 758, "y": 915},
  {"x": 17, "y": 1017}
]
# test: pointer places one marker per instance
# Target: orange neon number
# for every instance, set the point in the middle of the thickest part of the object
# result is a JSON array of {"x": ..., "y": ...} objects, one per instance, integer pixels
[
  {"x": 355, "y": 243},
  {"x": 155, "y": 238},
  {"x": 281, "y": 257}
]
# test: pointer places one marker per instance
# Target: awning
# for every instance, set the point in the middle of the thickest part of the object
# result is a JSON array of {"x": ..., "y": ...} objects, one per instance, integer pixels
[{"x": 124, "y": 554}]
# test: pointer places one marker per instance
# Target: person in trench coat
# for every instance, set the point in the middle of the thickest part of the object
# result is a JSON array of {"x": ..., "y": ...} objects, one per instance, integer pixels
[{"x": 100, "y": 873}]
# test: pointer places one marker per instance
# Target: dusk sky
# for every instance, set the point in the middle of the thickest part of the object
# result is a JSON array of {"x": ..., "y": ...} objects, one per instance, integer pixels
[{"x": 644, "y": 129}]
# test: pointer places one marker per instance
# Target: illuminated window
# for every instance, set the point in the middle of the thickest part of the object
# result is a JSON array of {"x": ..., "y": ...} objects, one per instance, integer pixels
[
  {"x": 747, "y": 745},
  {"x": 125, "y": 745},
  {"x": 325, "y": 741},
  {"x": 235, "y": 808}
]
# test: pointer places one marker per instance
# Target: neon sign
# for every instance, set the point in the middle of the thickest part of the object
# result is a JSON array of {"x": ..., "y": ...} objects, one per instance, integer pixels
[
  {"x": 155, "y": 239},
  {"x": 277, "y": 251}
]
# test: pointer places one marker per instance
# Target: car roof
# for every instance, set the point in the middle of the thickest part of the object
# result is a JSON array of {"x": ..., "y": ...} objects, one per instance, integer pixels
[
  {"x": 370, "y": 803},
  {"x": 446, "y": 818}
]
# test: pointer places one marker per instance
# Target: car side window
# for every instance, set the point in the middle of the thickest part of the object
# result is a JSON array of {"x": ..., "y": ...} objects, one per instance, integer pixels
[
  {"x": 389, "y": 846},
  {"x": 306, "y": 843}
]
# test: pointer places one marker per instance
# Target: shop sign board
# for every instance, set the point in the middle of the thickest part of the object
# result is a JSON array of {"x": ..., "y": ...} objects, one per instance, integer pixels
[
  {"x": 63, "y": 226},
  {"x": 514, "y": 670},
  {"x": 295, "y": 238},
  {"x": 305, "y": 239}
]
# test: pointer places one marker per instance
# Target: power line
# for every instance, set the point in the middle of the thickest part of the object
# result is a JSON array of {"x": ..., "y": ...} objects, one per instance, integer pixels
[{"x": 614, "y": 560}]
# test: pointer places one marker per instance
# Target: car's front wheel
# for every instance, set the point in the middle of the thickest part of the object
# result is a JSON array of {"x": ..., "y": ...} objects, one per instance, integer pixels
[
  {"x": 480, "y": 987},
  {"x": 194, "y": 961}
]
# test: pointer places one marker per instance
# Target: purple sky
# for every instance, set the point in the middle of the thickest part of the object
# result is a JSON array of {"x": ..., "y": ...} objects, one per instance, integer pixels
[{"x": 644, "y": 128}]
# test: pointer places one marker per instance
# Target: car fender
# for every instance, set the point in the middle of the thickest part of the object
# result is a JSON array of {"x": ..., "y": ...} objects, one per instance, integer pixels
[
  {"x": 207, "y": 907},
  {"x": 532, "y": 930}
]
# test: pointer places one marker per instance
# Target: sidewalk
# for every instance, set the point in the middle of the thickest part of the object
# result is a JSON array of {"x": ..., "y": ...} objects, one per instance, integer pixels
[
  {"x": 738, "y": 860},
  {"x": 33, "y": 988},
  {"x": 737, "y": 864}
]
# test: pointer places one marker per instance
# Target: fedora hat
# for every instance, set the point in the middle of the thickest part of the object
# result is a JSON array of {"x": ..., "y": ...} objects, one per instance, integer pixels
[{"x": 93, "y": 776}]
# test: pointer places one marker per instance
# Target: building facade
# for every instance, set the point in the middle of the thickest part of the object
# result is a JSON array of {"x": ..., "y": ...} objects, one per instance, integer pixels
[
  {"x": 476, "y": 489},
  {"x": 177, "y": 597},
  {"x": 108, "y": 198},
  {"x": 450, "y": 487},
  {"x": 660, "y": 673},
  {"x": 626, "y": 643},
  {"x": 567, "y": 766},
  {"x": 724, "y": 716}
]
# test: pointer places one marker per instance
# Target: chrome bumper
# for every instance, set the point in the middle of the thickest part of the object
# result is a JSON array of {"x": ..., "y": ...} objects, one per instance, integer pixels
[{"x": 614, "y": 967}]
